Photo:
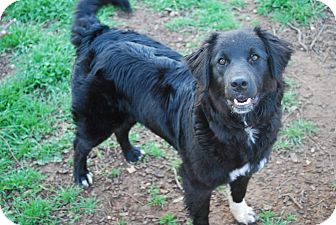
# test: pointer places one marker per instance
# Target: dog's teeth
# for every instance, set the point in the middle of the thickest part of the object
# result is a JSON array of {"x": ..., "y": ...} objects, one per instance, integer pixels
[{"x": 236, "y": 102}]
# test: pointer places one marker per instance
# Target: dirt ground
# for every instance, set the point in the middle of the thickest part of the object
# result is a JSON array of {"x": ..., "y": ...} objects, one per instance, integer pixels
[{"x": 301, "y": 181}]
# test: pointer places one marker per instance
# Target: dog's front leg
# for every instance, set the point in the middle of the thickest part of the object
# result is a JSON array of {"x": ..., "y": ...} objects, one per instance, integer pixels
[
  {"x": 197, "y": 199},
  {"x": 240, "y": 210}
]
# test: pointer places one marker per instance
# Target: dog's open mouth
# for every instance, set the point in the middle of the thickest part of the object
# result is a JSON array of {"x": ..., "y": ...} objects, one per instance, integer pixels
[{"x": 243, "y": 105}]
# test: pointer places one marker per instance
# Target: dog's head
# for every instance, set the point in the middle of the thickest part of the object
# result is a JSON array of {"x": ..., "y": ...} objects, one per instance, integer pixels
[{"x": 238, "y": 68}]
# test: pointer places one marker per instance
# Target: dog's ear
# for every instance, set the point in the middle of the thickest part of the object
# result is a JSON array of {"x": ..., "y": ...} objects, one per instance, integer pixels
[
  {"x": 279, "y": 52},
  {"x": 199, "y": 62}
]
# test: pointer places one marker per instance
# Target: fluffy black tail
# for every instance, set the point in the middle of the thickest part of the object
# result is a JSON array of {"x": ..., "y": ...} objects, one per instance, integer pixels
[{"x": 86, "y": 23}]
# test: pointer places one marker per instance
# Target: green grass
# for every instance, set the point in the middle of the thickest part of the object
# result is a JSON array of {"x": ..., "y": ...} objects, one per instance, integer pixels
[
  {"x": 20, "y": 38},
  {"x": 155, "y": 198},
  {"x": 31, "y": 208},
  {"x": 168, "y": 219},
  {"x": 175, "y": 5},
  {"x": 176, "y": 163},
  {"x": 115, "y": 172},
  {"x": 35, "y": 118},
  {"x": 289, "y": 11},
  {"x": 122, "y": 222},
  {"x": 210, "y": 15},
  {"x": 271, "y": 218},
  {"x": 290, "y": 100},
  {"x": 200, "y": 14},
  {"x": 41, "y": 11},
  {"x": 152, "y": 149},
  {"x": 238, "y": 3},
  {"x": 294, "y": 133}
]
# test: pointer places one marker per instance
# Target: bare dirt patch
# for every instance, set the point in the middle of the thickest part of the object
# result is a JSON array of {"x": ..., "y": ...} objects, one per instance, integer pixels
[
  {"x": 5, "y": 67},
  {"x": 299, "y": 181}
]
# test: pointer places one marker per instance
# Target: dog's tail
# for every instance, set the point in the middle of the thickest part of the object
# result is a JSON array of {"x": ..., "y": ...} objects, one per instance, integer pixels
[{"x": 86, "y": 24}]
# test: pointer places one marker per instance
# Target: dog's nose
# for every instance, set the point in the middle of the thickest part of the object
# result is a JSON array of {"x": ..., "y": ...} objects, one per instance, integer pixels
[{"x": 239, "y": 84}]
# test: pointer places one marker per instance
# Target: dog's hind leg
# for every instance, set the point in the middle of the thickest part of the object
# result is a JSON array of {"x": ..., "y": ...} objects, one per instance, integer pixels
[
  {"x": 131, "y": 153},
  {"x": 89, "y": 134}
]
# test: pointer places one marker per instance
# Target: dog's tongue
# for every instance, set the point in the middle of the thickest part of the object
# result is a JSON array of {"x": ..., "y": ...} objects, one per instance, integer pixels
[{"x": 242, "y": 101}]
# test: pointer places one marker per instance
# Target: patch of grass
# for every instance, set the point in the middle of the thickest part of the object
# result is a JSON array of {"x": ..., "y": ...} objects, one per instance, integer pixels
[
  {"x": 121, "y": 222},
  {"x": 36, "y": 211},
  {"x": 285, "y": 11},
  {"x": 238, "y": 3},
  {"x": 222, "y": 189},
  {"x": 271, "y": 218},
  {"x": 35, "y": 115},
  {"x": 18, "y": 181},
  {"x": 41, "y": 11},
  {"x": 86, "y": 205},
  {"x": 105, "y": 15},
  {"x": 168, "y": 219},
  {"x": 212, "y": 14},
  {"x": 68, "y": 195},
  {"x": 290, "y": 100},
  {"x": 155, "y": 198},
  {"x": 175, "y": 5},
  {"x": 255, "y": 22},
  {"x": 115, "y": 172},
  {"x": 20, "y": 37},
  {"x": 176, "y": 163},
  {"x": 195, "y": 42},
  {"x": 293, "y": 134},
  {"x": 153, "y": 150},
  {"x": 30, "y": 208}
]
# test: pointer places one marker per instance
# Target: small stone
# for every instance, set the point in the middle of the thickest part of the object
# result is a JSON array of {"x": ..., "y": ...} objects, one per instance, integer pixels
[
  {"x": 293, "y": 157},
  {"x": 131, "y": 169},
  {"x": 179, "y": 199},
  {"x": 267, "y": 207}
]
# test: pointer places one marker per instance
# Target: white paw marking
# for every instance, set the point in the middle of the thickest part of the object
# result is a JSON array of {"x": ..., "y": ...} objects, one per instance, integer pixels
[
  {"x": 85, "y": 184},
  {"x": 89, "y": 177},
  {"x": 262, "y": 164},
  {"x": 143, "y": 153},
  {"x": 242, "y": 212},
  {"x": 242, "y": 171},
  {"x": 88, "y": 181}
]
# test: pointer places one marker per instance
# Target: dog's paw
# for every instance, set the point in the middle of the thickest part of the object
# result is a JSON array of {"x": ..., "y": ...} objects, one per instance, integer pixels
[
  {"x": 84, "y": 181},
  {"x": 134, "y": 155},
  {"x": 243, "y": 213}
]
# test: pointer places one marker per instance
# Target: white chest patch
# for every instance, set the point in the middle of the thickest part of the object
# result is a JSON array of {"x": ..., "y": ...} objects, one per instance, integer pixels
[
  {"x": 242, "y": 171},
  {"x": 252, "y": 134}
]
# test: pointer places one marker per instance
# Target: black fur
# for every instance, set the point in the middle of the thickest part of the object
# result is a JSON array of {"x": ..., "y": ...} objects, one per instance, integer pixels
[{"x": 122, "y": 77}]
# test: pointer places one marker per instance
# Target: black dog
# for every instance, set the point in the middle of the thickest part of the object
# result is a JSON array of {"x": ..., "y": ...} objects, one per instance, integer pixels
[{"x": 220, "y": 107}]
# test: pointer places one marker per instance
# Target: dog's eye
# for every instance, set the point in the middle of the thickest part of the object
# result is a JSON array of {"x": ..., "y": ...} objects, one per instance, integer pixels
[
  {"x": 254, "y": 57},
  {"x": 222, "y": 61}
]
